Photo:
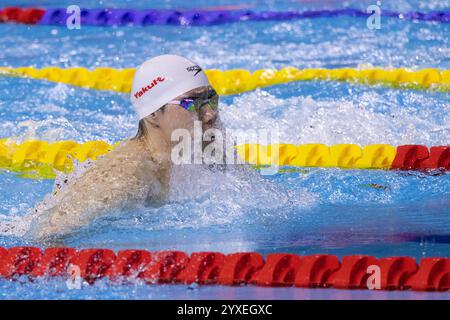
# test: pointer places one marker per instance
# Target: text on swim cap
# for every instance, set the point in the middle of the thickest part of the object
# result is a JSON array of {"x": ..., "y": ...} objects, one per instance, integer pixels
[
  {"x": 195, "y": 69},
  {"x": 148, "y": 87}
]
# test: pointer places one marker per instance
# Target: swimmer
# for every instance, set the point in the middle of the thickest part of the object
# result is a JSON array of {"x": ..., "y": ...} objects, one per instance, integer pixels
[{"x": 168, "y": 92}]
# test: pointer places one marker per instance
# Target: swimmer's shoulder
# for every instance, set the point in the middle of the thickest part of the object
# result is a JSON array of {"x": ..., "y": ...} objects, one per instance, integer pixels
[
  {"x": 130, "y": 158},
  {"x": 128, "y": 151}
]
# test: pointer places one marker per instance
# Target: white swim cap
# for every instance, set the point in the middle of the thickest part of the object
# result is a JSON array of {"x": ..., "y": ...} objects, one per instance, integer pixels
[{"x": 161, "y": 79}]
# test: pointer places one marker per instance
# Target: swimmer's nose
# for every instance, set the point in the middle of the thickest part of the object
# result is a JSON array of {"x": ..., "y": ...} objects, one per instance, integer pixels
[{"x": 209, "y": 116}]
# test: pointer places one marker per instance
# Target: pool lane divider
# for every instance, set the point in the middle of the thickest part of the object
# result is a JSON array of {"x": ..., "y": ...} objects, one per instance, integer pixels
[
  {"x": 196, "y": 17},
  {"x": 241, "y": 80},
  {"x": 215, "y": 268},
  {"x": 40, "y": 159}
]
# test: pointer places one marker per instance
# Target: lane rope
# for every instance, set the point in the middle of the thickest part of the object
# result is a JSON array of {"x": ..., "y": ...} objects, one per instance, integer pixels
[
  {"x": 39, "y": 159},
  {"x": 197, "y": 17},
  {"x": 241, "y": 80},
  {"x": 241, "y": 268}
]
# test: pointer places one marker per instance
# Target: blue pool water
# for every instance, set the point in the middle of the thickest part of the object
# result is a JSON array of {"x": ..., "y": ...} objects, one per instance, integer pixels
[{"x": 309, "y": 211}]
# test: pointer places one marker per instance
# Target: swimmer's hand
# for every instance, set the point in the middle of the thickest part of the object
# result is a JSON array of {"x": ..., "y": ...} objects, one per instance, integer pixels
[{"x": 51, "y": 224}]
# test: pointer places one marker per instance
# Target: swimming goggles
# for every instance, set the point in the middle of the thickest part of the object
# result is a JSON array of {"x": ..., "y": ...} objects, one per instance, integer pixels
[{"x": 194, "y": 104}]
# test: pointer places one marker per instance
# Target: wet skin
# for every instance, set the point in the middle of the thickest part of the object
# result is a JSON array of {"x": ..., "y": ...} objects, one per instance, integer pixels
[{"x": 136, "y": 172}]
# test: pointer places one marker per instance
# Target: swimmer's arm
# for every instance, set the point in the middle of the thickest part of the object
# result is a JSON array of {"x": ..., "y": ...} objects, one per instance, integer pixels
[{"x": 107, "y": 185}]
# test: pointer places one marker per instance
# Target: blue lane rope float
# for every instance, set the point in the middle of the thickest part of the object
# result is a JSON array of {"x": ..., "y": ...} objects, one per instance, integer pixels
[{"x": 119, "y": 17}]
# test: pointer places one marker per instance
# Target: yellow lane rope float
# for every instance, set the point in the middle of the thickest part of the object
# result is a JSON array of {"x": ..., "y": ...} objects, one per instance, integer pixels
[
  {"x": 351, "y": 156},
  {"x": 241, "y": 80},
  {"x": 38, "y": 159}
]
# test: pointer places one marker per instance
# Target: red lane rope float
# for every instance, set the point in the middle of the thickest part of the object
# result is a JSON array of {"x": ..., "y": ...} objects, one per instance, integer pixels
[
  {"x": 19, "y": 15},
  {"x": 417, "y": 157},
  {"x": 277, "y": 269}
]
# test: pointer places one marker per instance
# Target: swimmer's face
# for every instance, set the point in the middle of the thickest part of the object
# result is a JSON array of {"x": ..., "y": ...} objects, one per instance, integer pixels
[
  {"x": 174, "y": 116},
  {"x": 208, "y": 113}
]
